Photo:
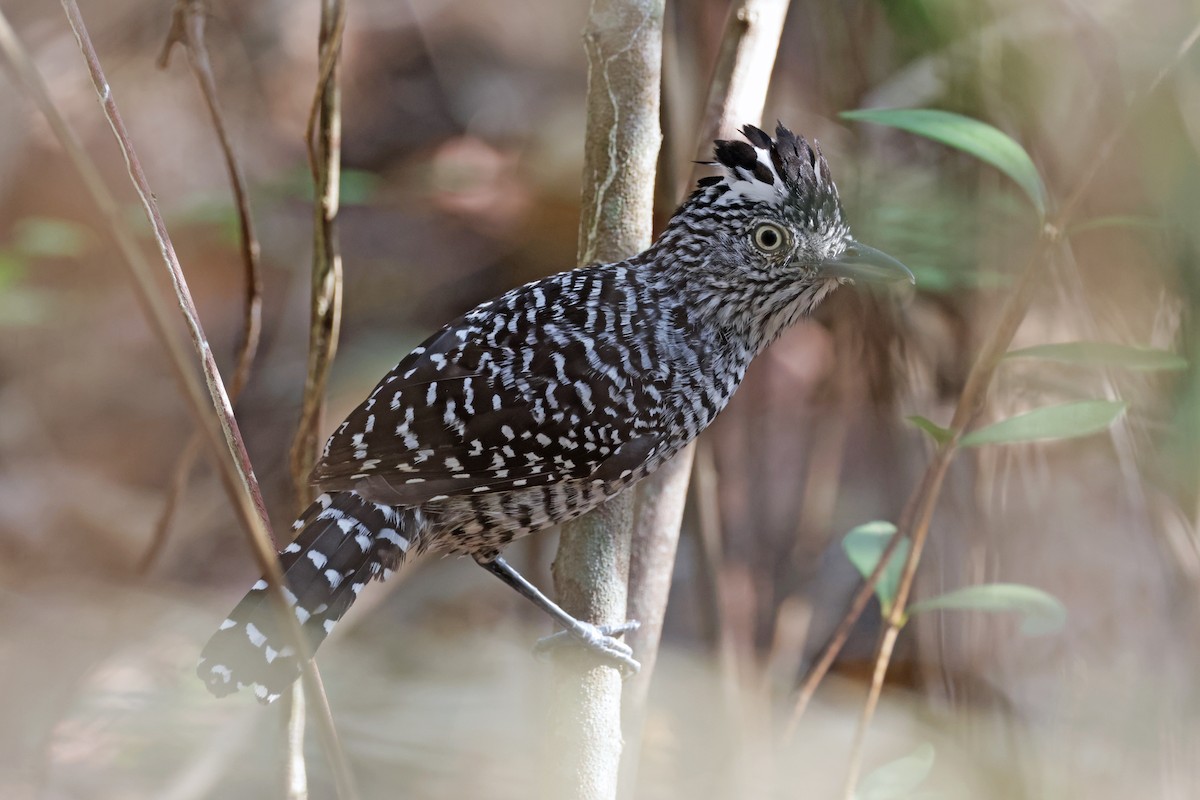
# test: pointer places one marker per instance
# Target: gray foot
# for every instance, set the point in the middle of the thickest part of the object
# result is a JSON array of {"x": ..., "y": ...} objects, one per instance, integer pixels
[{"x": 601, "y": 640}]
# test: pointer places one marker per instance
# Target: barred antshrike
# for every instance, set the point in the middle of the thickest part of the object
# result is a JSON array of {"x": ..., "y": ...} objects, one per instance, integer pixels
[{"x": 537, "y": 406}]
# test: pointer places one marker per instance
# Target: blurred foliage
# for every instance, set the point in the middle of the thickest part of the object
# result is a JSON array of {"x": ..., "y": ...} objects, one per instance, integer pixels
[
  {"x": 972, "y": 136},
  {"x": 899, "y": 779},
  {"x": 1041, "y": 612},
  {"x": 1104, "y": 354},
  {"x": 864, "y": 546}
]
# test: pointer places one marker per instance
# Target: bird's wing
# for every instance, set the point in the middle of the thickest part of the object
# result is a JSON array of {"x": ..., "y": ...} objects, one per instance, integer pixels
[{"x": 500, "y": 399}]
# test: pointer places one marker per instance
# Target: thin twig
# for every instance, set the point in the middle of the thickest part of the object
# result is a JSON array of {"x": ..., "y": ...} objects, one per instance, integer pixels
[
  {"x": 179, "y": 479},
  {"x": 187, "y": 27},
  {"x": 216, "y": 416}
]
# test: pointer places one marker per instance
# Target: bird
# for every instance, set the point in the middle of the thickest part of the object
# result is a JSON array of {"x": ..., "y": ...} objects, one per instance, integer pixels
[{"x": 538, "y": 405}]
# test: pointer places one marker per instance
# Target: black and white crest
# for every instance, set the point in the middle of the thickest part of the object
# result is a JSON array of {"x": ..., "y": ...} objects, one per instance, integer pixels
[{"x": 786, "y": 172}]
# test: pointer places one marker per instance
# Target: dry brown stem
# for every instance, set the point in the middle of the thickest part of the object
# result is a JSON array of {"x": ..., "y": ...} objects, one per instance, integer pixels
[{"x": 323, "y": 136}]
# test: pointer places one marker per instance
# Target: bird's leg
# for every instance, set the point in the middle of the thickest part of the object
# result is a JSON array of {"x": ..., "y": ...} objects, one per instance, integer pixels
[{"x": 600, "y": 639}]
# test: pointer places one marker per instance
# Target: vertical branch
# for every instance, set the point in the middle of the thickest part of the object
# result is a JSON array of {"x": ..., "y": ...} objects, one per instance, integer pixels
[
  {"x": 324, "y": 139},
  {"x": 736, "y": 96},
  {"x": 623, "y": 42}
]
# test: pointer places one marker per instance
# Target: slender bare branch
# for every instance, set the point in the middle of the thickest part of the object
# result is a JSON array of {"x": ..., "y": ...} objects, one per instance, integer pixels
[
  {"x": 175, "y": 489},
  {"x": 187, "y": 27}
]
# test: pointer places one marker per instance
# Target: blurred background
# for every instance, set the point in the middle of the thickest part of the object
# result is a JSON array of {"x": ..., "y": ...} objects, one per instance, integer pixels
[{"x": 463, "y": 148}]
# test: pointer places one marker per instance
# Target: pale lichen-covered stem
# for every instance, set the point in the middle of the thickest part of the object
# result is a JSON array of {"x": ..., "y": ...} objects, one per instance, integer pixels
[{"x": 623, "y": 43}]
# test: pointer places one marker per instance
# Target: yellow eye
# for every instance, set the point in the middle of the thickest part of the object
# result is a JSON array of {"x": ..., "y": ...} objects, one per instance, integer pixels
[{"x": 768, "y": 237}]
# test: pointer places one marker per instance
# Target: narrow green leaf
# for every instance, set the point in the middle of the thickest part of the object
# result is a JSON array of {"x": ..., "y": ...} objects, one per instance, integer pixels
[
  {"x": 936, "y": 432},
  {"x": 1117, "y": 221},
  {"x": 1067, "y": 421},
  {"x": 981, "y": 140},
  {"x": 48, "y": 237},
  {"x": 1104, "y": 354},
  {"x": 864, "y": 545},
  {"x": 897, "y": 780},
  {"x": 1041, "y": 613}
]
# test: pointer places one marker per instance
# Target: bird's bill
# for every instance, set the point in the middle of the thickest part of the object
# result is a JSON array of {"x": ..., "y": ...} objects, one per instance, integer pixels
[{"x": 862, "y": 263}]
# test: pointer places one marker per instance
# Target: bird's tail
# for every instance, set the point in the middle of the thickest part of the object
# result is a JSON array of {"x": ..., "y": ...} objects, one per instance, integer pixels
[{"x": 343, "y": 542}]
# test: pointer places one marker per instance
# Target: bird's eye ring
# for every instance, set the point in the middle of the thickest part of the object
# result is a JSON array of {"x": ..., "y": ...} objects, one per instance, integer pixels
[{"x": 768, "y": 237}]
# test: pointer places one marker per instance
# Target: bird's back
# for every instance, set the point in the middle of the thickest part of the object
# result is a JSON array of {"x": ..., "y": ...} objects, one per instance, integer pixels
[{"x": 534, "y": 407}]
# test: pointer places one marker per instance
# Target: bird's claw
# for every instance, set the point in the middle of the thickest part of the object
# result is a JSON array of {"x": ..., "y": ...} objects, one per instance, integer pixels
[{"x": 601, "y": 640}]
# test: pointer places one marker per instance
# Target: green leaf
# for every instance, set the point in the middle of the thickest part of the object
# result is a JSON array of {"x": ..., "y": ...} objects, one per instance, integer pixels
[
  {"x": 897, "y": 779},
  {"x": 936, "y": 432},
  {"x": 1067, "y": 421},
  {"x": 981, "y": 140},
  {"x": 47, "y": 237},
  {"x": 1117, "y": 221},
  {"x": 864, "y": 545},
  {"x": 1041, "y": 613},
  {"x": 1104, "y": 354}
]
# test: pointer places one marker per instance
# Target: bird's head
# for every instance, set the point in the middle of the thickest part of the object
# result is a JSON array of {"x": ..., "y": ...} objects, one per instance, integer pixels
[{"x": 767, "y": 239}]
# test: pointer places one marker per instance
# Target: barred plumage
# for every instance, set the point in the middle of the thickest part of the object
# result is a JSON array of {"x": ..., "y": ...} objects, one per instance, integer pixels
[{"x": 535, "y": 407}]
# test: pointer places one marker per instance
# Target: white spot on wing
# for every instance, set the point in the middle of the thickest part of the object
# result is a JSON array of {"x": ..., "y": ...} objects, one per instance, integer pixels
[
  {"x": 390, "y": 535},
  {"x": 255, "y": 636}
]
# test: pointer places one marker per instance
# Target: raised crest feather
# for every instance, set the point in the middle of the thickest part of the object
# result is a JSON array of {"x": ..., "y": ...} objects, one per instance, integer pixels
[{"x": 785, "y": 170}]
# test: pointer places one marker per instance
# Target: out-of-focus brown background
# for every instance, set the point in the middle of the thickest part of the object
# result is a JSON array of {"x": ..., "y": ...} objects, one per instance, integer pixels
[{"x": 462, "y": 149}]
